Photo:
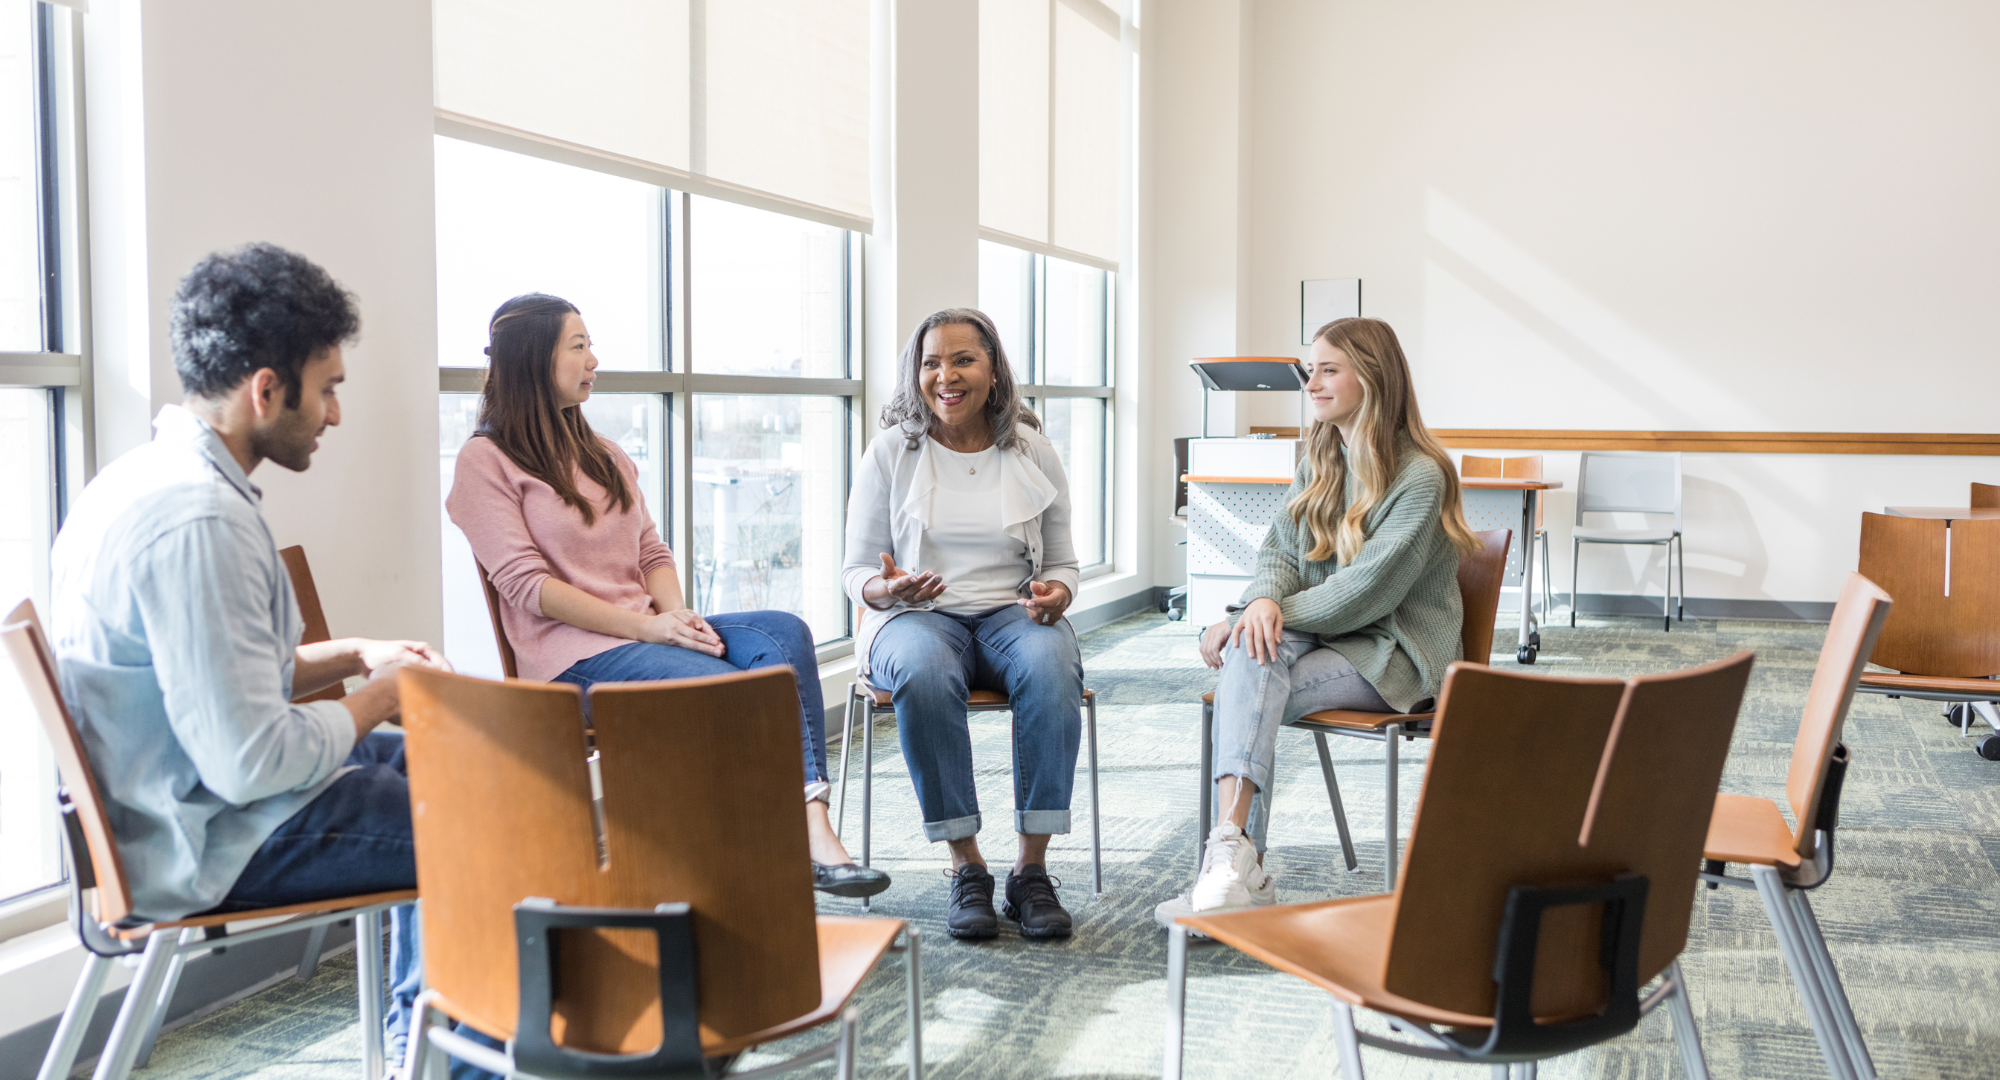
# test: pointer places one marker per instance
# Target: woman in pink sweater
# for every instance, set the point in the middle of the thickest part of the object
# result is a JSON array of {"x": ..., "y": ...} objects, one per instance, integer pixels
[{"x": 555, "y": 517}]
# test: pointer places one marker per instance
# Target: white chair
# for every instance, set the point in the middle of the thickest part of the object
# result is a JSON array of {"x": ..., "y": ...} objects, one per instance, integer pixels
[{"x": 1631, "y": 483}]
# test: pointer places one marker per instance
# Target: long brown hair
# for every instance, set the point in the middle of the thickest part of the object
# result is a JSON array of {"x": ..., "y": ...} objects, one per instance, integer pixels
[
  {"x": 518, "y": 410},
  {"x": 1388, "y": 413}
]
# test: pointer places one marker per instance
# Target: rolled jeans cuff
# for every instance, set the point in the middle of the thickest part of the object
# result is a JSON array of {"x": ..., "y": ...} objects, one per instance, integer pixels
[
  {"x": 1041, "y": 822},
  {"x": 952, "y": 829},
  {"x": 1245, "y": 768},
  {"x": 818, "y": 791}
]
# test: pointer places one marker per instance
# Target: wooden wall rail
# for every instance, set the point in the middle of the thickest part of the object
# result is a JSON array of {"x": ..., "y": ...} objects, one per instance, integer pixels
[{"x": 1727, "y": 442}]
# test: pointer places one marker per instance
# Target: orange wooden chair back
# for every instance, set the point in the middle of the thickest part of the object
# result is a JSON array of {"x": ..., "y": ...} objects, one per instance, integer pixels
[
  {"x": 1857, "y": 622},
  {"x": 701, "y": 783},
  {"x": 311, "y": 612},
  {"x": 1484, "y": 468},
  {"x": 29, "y": 648},
  {"x": 1985, "y": 496},
  {"x": 1479, "y": 578},
  {"x": 499, "y": 629},
  {"x": 1544, "y": 781},
  {"x": 1933, "y": 630}
]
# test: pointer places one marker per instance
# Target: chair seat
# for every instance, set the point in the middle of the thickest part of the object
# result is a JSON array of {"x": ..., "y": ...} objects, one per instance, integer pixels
[
  {"x": 316, "y": 907},
  {"x": 1623, "y": 536},
  {"x": 977, "y": 699},
  {"x": 849, "y": 948},
  {"x": 1350, "y": 720},
  {"x": 1751, "y": 831},
  {"x": 1936, "y": 684},
  {"x": 1340, "y": 946}
]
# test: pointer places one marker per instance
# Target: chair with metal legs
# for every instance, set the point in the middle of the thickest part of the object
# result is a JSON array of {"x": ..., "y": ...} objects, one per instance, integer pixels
[
  {"x": 871, "y": 704},
  {"x": 1785, "y": 862},
  {"x": 101, "y": 903},
  {"x": 1479, "y": 578},
  {"x": 1551, "y": 873},
  {"x": 1639, "y": 483},
  {"x": 678, "y": 915}
]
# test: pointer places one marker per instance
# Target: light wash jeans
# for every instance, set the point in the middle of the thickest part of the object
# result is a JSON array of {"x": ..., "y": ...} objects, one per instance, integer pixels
[
  {"x": 1252, "y": 699},
  {"x": 929, "y": 660}
]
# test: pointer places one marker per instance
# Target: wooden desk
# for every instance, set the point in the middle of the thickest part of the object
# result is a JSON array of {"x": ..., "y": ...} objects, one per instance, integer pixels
[
  {"x": 1492, "y": 502},
  {"x": 1949, "y": 513}
]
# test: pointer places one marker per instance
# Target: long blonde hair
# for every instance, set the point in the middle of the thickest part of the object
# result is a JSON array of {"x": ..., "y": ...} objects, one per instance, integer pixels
[{"x": 1388, "y": 412}]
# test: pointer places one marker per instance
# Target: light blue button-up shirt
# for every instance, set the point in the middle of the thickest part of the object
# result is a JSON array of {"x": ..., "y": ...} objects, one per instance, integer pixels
[{"x": 174, "y": 625}]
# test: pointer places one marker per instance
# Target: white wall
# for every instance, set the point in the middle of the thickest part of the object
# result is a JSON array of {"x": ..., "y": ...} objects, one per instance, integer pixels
[
  {"x": 214, "y": 123},
  {"x": 1693, "y": 216}
]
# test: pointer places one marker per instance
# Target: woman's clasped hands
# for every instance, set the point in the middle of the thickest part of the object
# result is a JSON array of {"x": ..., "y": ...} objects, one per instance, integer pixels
[{"x": 684, "y": 628}]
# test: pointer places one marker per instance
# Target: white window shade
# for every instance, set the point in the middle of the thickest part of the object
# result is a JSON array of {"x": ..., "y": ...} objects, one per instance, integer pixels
[
  {"x": 762, "y": 101},
  {"x": 1050, "y": 124},
  {"x": 1014, "y": 117},
  {"x": 1084, "y": 183}
]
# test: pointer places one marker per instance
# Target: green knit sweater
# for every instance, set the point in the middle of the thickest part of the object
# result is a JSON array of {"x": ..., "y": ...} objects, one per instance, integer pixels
[{"x": 1394, "y": 612}]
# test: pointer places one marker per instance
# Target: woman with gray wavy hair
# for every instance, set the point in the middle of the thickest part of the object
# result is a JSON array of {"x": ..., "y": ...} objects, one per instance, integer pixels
[{"x": 958, "y": 548}]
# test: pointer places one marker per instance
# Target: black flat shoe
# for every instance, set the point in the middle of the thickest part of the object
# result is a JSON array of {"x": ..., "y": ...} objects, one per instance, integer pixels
[
  {"x": 849, "y": 879},
  {"x": 971, "y": 915}
]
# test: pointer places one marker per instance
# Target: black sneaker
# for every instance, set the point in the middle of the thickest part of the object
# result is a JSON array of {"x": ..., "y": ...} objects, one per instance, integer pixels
[
  {"x": 971, "y": 915},
  {"x": 1031, "y": 902}
]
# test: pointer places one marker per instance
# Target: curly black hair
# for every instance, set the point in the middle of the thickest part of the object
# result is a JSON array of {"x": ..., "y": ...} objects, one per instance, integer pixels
[{"x": 259, "y": 306}]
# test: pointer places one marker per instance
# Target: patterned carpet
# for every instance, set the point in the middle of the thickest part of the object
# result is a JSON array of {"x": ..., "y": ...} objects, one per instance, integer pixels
[{"x": 1910, "y": 915}]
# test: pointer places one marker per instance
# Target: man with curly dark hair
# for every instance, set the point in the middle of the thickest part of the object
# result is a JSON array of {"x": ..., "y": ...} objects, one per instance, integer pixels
[{"x": 177, "y": 632}]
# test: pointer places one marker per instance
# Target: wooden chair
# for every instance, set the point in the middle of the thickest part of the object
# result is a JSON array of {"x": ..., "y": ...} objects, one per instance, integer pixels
[
  {"x": 1479, "y": 577},
  {"x": 1551, "y": 872},
  {"x": 1521, "y": 468},
  {"x": 101, "y": 901},
  {"x": 1785, "y": 861},
  {"x": 1985, "y": 496},
  {"x": 507, "y": 665},
  {"x": 1942, "y": 639},
  {"x": 873, "y": 703},
  {"x": 685, "y": 860}
]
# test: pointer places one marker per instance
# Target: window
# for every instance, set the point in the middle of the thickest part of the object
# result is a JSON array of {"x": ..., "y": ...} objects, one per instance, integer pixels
[
  {"x": 725, "y": 337},
  {"x": 43, "y": 393},
  {"x": 1055, "y": 319}
]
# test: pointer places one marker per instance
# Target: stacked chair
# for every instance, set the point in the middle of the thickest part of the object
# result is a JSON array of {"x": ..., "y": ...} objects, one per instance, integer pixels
[
  {"x": 100, "y": 903},
  {"x": 659, "y": 932},
  {"x": 1479, "y": 578},
  {"x": 1942, "y": 641},
  {"x": 1550, "y": 875},
  {"x": 1786, "y": 861}
]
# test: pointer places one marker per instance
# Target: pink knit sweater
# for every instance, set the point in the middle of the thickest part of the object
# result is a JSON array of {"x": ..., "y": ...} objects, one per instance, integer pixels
[{"x": 523, "y": 534}]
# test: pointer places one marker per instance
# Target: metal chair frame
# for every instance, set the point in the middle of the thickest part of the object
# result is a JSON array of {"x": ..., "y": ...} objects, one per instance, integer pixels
[
  {"x": 861, "y": 695},
  {"x": 1676, "y": 547}
]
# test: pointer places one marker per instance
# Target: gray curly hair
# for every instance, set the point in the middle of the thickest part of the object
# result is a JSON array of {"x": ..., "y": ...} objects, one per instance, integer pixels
[{"x": 1004, "y": 408}]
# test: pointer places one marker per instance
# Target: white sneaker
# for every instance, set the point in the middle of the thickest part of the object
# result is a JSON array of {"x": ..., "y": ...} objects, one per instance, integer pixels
[{"x": 1231, "y": 877}]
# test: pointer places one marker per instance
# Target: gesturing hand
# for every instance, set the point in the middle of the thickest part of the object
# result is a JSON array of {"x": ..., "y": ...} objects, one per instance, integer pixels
[
  {"x": 1046, "y": 604},
  {"x": 907, "y": 587},
  {"x": 684, "y": 628},
  {"x": 376, "y": 655}
]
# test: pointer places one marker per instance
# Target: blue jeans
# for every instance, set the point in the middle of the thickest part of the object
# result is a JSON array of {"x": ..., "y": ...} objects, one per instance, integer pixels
[
  {"x": 929, "y": 660},
  {"x": 1252, "y": 699},
  {"x": 750, "y": 640},
  {"x": 354, "y": 838}
]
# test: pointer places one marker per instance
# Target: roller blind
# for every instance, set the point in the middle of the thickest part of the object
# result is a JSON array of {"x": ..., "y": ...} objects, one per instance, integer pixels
[
  {"x": 763, "y": 96},
  {"x": 1049, "y": 123}
]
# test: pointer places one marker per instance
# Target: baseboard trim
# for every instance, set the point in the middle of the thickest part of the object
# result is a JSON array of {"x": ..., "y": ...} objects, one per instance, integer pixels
[
  {"x": 1698, "y": 607},
  {"x": 207, "y": 984}
]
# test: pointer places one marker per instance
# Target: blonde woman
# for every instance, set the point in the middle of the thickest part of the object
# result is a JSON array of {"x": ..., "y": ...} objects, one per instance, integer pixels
[{"x": 1355, "y": 604}]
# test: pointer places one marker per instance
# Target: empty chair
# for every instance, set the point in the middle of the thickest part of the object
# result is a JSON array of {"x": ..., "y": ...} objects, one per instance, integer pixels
[
  {"x": 1942, "y": 640},
  {"x": 1527, "y": 467},
  {"x": 1985, "y": 496},
  {"x": 1639, "y": 483},
  {"x": 1549, "y": 877},
  {"x": 1784, "y": 860},
  {"x": 682, "y": 908},
  {"x": 101, "y": 901},
  {"x": 1479, "y": 578}
]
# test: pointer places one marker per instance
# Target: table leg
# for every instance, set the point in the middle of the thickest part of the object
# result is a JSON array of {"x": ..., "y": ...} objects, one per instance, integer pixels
[{"x": 1525, "y": 651}]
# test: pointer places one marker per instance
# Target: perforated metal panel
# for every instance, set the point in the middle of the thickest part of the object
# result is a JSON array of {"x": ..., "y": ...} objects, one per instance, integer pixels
[
  {"x": 1227, "y": 523},
  {"x": 1489, "y": 508}
]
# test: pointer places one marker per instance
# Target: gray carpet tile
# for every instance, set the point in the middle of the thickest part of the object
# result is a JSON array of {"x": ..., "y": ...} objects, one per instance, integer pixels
[{"x": 1911, "y": 914}]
